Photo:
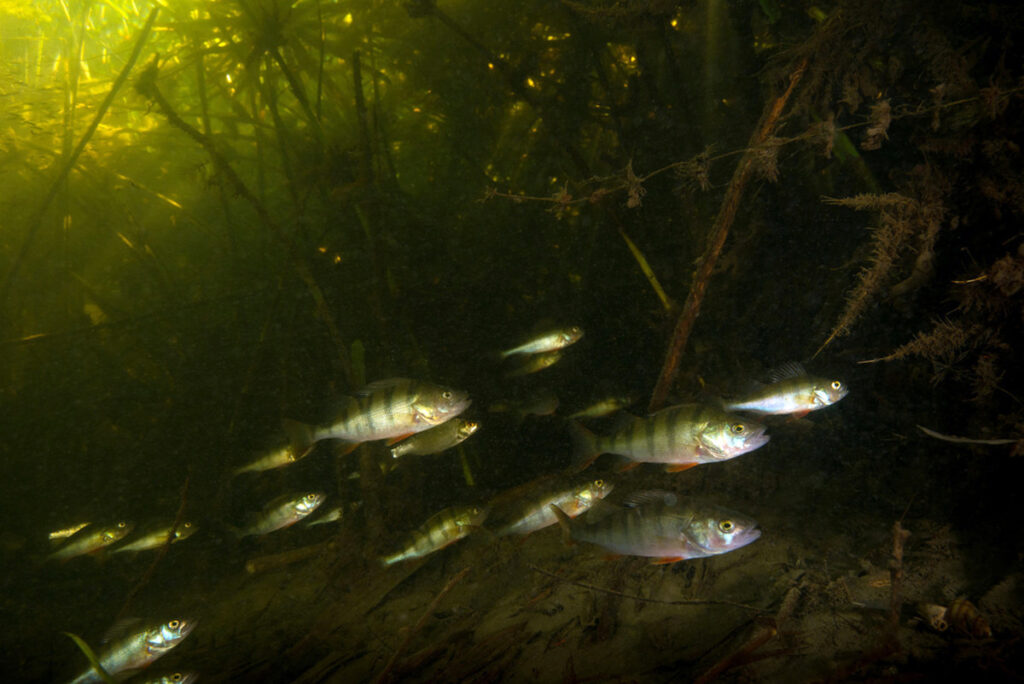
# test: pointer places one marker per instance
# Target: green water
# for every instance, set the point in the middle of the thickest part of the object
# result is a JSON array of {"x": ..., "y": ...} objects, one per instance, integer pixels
[{"x": 240, "y": 211}]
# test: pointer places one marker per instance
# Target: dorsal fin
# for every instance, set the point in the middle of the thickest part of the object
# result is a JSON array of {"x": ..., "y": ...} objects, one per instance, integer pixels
[
  {"x": 792, "y": 369},
  {"x": 651, "y": 496},
  {"x": 379, "y": 385},
  {"x": 122, "y": 628}
]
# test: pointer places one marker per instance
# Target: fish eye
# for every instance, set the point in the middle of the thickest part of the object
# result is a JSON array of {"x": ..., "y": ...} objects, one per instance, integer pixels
[
  {"x": 738, "y": 428},
  {"x": 121, "y": 525},
  {"x": 176, "y": 677},
  {"x": 726, "y": 526},
  {"x": 174, "y": 624},
  {"x": 187, "y": 525},
  {"x": 446, "y": 394},
  {"x": 836, "y": 385},
  {"x": 599, "y": 483}
]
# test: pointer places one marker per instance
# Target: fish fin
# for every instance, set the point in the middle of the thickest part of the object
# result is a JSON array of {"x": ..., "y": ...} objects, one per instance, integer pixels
[
  {"x": 121, "y": 628},
  {"x": 300, "y": 437},
  {"x": 792, "y": 369},
  {"x": 584, "y": 446},
  {"x": 347, "y": 448},
  {"x": 648, "y": 496},
  {"x": 399, "y": 438},
  {"x": 666, "y": 560},
  {"x": 612, "y": 556},
  {"x": 679, "y": 467},
  {"x": 564, "y": 523},
  {"x": 629, "y": 465},
  {"x": 379, "y": 385},
  {"x": 797, "y": 415}
]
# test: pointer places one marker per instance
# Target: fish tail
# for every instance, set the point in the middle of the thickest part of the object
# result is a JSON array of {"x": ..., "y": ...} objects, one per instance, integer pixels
[
  {"x": 584, "y": 446},
  {"x": 564, "y": 523},
  {"x": 300, "y": 436}
]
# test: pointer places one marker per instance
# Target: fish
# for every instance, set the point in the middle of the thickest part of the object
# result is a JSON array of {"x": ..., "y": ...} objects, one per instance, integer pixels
[
  {"x": 541, "y": 403},
  {"x": 172, "y": 678},
  {"x": 790, "y": 390},
  {"x": 535, "y": 363},
  {"x": 547, "y": 342},
  {"x": 278, "y": 458},
  {"x": 526, "y": 511},
  {"x": 89, "y": 540},
  {"x": 137, "y": 650},
  {"x": 334, "y": 514},
  {"x": 440, "y": 530},
  {"x": 282, "y": 512},
  {"x": 386, "y": 409},
  {"x": 436, "y": 439},
  {"x": 603, "y": 408},
  {"x": 656, "y": 524},
  {"x": 680, "y": 436},
  {"x": 157, "y": 538}
]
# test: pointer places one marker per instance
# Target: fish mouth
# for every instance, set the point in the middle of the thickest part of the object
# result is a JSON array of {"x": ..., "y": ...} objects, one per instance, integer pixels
[{"x": 756, "y": 440}]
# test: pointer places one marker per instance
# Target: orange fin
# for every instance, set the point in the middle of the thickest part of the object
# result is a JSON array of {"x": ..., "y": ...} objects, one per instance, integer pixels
[
  {"x": 629, "y": 466},
  {"x": 396, "y": 440},
  {"x": 679, "y": 467},
  {"x": 666, "y": 560},
  {"x": 798, "y": 414},
  {"x": 347, "y": 448}
]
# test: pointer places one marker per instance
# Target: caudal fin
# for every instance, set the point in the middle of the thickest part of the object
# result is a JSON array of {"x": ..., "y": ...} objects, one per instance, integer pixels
[
  {"x": 300, "y": 436},
  {"x": 585, "y": 449}
]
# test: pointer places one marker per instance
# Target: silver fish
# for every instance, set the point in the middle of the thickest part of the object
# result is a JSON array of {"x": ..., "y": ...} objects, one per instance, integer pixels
[
  {"x": 384, "y": 410},
  {"x": 547, "y": 342},
  {"x": 527, "y": 508},
  {"x": 679, "y": 436},
  {"x": 137, "y": 650},
  {"x": 157, "y": 538},
  {"x": 535, "y": 363},
  {"x": 91, "y": 539},
  {"x": 657, "y": 525},
  {"x": 436, "y": 439},
  {"x": 603, "y": 408},
  {"x": 333, "y": 515},
  {"x": 791, "y": 390},
  {"x": 284, "y": 511},
  {"x": 541, "y": 403},
  {"x": 440, "y": 530},
  {"x": 278, "y": 458}
]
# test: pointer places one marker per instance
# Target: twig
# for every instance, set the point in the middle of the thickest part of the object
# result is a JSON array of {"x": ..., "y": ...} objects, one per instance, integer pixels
[
  {"x": 719, "y": 231},
  {"x": 386, "y": 672},
  {"x": 899, "y": 536},
  {"x": 678, "y": 602},
  {"x": 964, "y": 440}
]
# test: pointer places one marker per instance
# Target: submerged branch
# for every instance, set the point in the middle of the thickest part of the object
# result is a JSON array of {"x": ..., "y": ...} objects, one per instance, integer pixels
[{"x": 719, "y": 231}]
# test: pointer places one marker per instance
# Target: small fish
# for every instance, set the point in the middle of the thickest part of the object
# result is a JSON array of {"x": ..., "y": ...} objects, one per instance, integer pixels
[
  {"x": 278, "y": 458},
  {"x": 535, "y": 363},
  {"x": 90, "y": 540},
  {"x": 547, "y": 342},
  {"x": 603, "y": 408},
  {"x": 657, "y": 525},
  {"x": 963, "y": 616},
  {"x": 172, "y": 678},
  {"x": 679, "y": 436},
  {"x": 66, "y": 532},
  {"x": 542, "y": 403},
  {"x": 529, "y": 510},
  {"x": 440, "y": 530},
  {"x": 791, "y": 390},
  {"x": 157, "y": 538},
  {"x": 129, "y": 654},
  {"x": 436, "y": 439},
  {"x": 386, "y": 409},
  {"x": 284, "y": 511},
  {"x": 333, "y": 515}
]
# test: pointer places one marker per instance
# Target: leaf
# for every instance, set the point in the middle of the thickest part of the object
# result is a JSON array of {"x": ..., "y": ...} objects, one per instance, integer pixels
[{"x": 91, "y": 655}]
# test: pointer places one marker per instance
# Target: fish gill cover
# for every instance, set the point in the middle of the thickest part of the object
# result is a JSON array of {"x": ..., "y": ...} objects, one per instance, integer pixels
[{"x": 218, "y": 215}]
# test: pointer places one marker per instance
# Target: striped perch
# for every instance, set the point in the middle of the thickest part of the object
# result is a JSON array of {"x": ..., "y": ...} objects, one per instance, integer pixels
[
  {"x": 440, "y": 530},
  {"x": 679, "y": 436},
  {"x": 386, "y": 409}
]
